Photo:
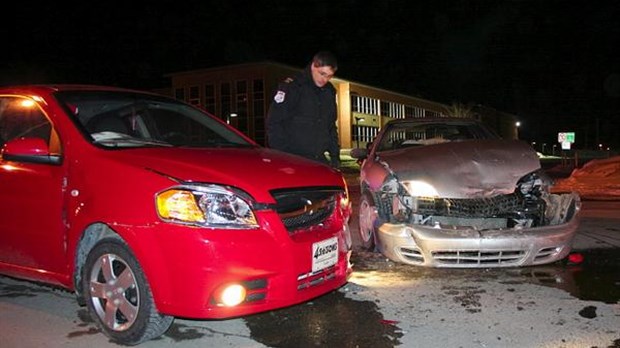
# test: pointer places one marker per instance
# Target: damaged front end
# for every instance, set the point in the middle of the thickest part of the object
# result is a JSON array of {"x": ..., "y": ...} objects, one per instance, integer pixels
[
  {"x": 530, "y": 205},
  {"x": 526, "y": 226}
]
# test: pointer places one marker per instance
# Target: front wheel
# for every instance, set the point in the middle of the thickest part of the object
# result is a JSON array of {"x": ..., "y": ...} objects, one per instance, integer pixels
[
  {"x": 118, "y": 296},
  {"x": 367, "y": 221}
]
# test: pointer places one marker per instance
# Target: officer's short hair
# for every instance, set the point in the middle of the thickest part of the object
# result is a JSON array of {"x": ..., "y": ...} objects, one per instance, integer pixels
[{"x": 325, "y": 58}]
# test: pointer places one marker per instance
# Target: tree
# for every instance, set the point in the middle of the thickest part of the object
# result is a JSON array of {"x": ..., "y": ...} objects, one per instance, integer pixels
[{"x": 457, "y": 109}]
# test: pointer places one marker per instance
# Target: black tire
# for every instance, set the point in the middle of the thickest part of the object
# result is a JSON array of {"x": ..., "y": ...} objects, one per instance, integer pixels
[
  {"x": 367, "y": 221},
  {"x": 118, "y": 296}
]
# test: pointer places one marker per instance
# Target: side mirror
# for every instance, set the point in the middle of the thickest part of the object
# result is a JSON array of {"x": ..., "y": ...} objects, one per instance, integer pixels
[
  {"x": 359, "y": 153},
  {"x": 29, "y": 150}
]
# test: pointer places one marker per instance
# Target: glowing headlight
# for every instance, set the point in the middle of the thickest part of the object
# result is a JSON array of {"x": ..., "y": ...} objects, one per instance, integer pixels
[
  {"x": 420, "y": 189},
  {"x": 209, "y": 205}
]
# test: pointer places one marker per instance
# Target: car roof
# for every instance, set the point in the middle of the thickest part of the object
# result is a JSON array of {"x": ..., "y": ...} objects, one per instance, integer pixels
[{"x": 50, "y": 88}]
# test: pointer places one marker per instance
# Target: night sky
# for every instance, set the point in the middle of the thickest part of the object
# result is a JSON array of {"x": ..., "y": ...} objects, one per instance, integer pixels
[{"x": 554, "y": 64}]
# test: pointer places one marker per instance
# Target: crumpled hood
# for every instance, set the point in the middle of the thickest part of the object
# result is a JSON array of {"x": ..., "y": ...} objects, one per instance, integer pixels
[
  {"x": 254, "y": 170},
  {"x": 467, "y": 169}
]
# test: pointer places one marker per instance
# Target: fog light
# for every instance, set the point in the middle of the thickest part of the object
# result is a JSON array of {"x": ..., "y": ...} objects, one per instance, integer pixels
[{"x": 232, "y": 295}]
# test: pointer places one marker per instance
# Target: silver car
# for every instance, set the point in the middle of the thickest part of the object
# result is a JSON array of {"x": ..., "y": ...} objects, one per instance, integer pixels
[{"x": 447, "y": 192}]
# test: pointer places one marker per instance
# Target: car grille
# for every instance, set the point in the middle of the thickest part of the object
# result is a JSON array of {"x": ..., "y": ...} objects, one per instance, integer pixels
[
  {"x": 478, "y": 207},
  {"x": 306, "y": 281},
  {"x": 477, "y": 257},
  {"x": 305, "y": 208},
  {"x": 474, "y": 258}
]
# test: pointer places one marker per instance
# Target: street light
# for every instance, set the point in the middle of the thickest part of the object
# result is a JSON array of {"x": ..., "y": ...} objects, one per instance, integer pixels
[
  {"x": 228, "y": 117},
  {"x": 543, "y": 148},
  {"x": 518, "y": 124},
  {"x": 357, "y": 130}
]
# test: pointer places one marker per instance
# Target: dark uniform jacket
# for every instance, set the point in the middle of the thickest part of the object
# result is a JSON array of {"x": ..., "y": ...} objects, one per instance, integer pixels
[{"x": 302, "y": 119}]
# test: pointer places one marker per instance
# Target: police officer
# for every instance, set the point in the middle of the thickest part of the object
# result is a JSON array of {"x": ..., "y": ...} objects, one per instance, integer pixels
[{"x": 302, "y": 116}]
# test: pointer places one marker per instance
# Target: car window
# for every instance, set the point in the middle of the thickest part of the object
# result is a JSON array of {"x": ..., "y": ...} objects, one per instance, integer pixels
[
  {"x": 408, "y": 134},
  {"x": 21, "y": 117},
  {"x": 121, "y": 119}
]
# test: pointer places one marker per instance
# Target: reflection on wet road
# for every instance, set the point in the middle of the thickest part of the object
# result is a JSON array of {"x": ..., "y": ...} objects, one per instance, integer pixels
[
  {"x": 337, "y": 321},
  {"x": 595, "y": 278},
  {"x": 330, "y": 321}
]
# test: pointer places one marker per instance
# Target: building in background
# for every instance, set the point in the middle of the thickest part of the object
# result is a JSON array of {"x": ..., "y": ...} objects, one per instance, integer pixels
[{"x": 241, "y": 95}]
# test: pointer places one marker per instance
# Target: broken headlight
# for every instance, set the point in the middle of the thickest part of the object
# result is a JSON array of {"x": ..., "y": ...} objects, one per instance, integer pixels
[{"x": 534, "y": 184}]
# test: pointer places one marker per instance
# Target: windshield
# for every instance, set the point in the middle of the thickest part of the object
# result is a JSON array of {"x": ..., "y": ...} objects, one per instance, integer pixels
[
  {"x": 122, "y": 119},
  {"x": 405, "y": 134}
]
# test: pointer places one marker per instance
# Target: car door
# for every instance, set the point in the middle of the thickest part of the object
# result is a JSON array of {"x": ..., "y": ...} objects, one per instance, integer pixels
[{"x": 32, "y": 233}]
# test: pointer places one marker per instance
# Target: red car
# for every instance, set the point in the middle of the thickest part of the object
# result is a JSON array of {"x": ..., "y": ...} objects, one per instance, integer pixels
[{"x": 149, "y": 208}]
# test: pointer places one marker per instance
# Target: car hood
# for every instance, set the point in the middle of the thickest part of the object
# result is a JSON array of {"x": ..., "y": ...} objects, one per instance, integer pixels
[
  {"x": 254, "y": 170},
  {"x": 476, "y": 168}
]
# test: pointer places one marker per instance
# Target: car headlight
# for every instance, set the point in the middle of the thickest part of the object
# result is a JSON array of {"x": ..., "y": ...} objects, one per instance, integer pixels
[
  {"x": 207, "y": 206},
  {"x": 417, "y": 188},
  {"x": 534, "y": 183}
]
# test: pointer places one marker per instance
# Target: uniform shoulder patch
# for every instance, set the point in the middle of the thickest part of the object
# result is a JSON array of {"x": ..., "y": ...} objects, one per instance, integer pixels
[
  {"x": 282, "y": 89},
  {"x": 279, "y": 97}
]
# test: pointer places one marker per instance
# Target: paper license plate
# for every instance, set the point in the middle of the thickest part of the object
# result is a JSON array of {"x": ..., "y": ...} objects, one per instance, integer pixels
[{"x": 324, "y": 254}]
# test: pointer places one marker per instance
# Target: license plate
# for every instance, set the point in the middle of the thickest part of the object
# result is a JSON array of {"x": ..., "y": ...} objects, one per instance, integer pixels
[{"x": 324, "y": 254}]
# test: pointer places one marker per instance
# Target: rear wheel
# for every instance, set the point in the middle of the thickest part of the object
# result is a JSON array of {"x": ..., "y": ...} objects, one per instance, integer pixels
[
  {"x": 367, "y": 221},
  {"x": 118, "y": 296}
]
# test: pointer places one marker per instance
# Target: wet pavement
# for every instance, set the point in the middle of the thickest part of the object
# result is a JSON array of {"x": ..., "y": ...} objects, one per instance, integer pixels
[
  {"x": 337, "y": 321},
  {"x": 596, "y": 278},
  {"x": 329, "y": 321},
  {"x": 361, "y": 314}
]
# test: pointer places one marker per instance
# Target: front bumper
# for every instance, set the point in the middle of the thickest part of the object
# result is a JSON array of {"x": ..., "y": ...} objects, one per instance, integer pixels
[
  {"x": 469, "y": 248},
  {"x": 186, "y": 266}
]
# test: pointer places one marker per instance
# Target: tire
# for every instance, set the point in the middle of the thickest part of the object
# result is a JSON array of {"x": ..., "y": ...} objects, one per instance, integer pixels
[
  {"x": 118, "y": 296},
  {"x": 367, "y": 221}
]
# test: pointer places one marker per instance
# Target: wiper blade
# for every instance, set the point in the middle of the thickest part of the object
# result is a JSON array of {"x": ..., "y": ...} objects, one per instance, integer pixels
[
  {"x": 236, "y": 145},
  {"x": 115, "y": 139}
]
